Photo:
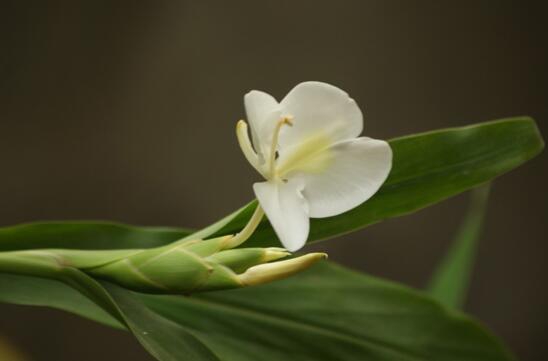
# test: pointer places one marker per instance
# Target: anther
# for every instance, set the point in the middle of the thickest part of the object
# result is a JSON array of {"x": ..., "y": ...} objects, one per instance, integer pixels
[{"x": 288, "y": 119}]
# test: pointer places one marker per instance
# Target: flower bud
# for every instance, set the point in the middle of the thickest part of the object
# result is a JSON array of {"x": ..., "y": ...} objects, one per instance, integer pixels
[
  {"x": 196, "y": 265},
  {"x": 269, "y": 272}
]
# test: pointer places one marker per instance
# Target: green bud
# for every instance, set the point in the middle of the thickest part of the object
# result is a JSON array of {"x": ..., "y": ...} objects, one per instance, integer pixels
[
  {"x": 158, "y": 270},
  {"x": 179, "y": 268},
  {"x": 197, "y": 265},
  {"x": 239, "y": 260}
]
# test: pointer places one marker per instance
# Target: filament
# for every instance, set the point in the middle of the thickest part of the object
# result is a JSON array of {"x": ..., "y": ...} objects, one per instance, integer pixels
[
  {"x": 285, "y": 120},
  {"x": 248, "y": 230}
]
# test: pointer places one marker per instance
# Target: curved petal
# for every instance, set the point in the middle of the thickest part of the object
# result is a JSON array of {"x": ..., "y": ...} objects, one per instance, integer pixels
[
  {"x": 357, "y": 168},
  {"x": 263, "y": 112},
  {"x": 286, "y": 210},
  {"x": 320, "y": 108}
]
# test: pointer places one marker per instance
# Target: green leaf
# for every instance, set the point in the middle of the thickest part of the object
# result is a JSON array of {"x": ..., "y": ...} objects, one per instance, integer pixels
[
  {"x": 450, "y": 281},
  {"x": 86, "y": 235},
  {"x": 32, "y": 291},
  {"x": 427, "y": 168},
  {"x": 164, "y": 339},
  {"x": 326, "y": 313},
  {"x": 110, "y": 305},
  {"x": 331, "y": 313}
]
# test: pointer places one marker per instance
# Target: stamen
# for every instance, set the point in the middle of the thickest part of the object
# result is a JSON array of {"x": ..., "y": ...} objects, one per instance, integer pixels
[
  {"x": 248, "y": 230},
  {"x": 287, "y": 120},
  {"x": 245, "y": 144}
]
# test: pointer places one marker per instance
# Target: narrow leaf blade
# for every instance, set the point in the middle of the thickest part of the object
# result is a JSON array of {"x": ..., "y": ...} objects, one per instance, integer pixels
[
  {"x": 329, "y": 313},
  {"x": 427, "y": 168},
  {"x": 450, "y": 281},
  {"x": 110, "y": 305},
  {"x": 32, "y": 291},
  {"x": 86, "y": 235}
]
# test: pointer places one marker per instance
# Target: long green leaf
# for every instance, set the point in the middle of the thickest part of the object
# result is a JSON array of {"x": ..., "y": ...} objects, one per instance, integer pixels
[
  {"x": 164, "y": 339},
  {"x": 110, "y": 305},
  {"x": 427, "y": 168},
  {"x": 32, "y": 291},
  {"x": 331, "y": 313},
  {"x": 333, "y": 296},
  {"x": 86, "y": 235},
  {"x": 327, "y": 313},
  {"x": 450, "y": 281}
]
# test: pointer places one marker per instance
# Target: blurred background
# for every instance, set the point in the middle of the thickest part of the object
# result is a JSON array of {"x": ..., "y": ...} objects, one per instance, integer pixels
[{"x": 126, "y": 111}]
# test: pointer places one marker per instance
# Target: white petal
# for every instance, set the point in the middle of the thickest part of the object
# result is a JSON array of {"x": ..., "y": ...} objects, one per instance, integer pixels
[
  {"x": 263, "y": 112},
  {"x": 357, "y": 168},
  {"x": 286, "y": 210},
  {"x": 320, "y": 108}
]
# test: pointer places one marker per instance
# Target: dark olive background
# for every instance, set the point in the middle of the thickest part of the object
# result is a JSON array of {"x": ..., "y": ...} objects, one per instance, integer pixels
[{"x": 126, "y": 111}]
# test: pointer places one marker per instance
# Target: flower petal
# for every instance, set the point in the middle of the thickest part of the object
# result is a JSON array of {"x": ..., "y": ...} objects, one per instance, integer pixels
[
  {"x": 263, "y": 112},
  {"x": 319, "y": 108},
  {"x": 357, "y": 168},
  {"x": 286, "y": 210}
]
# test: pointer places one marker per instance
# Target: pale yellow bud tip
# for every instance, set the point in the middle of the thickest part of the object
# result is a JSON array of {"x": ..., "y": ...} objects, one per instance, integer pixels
[
  {"x": 274, "y": 253},
  {"x": 269, "y": 272}
]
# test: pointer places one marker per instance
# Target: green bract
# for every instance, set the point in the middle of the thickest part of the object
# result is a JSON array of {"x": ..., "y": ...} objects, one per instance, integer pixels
[{"x": 183, "y": 267}]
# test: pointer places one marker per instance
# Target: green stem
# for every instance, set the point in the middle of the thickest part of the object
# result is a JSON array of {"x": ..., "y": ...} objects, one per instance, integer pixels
[
  {"x": 30, "y": 263},
  {"x": 52, "y": 263}
]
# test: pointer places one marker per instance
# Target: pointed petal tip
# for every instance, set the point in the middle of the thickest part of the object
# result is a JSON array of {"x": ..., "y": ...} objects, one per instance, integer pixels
[{"x": 275, "y": 253}]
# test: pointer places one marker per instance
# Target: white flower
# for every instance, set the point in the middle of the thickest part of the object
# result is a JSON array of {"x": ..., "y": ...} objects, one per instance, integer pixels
[{"x": 307, "y": 148}]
